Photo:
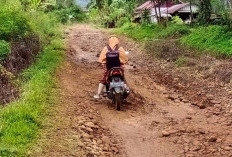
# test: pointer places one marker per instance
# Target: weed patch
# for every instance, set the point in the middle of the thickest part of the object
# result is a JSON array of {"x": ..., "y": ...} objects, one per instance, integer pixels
[
  {"x": 21, "y": 120},
  {"x": 215, "y": 40}
]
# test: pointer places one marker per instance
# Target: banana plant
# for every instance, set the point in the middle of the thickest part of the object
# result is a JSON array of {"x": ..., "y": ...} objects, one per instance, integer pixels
[
  {"x": 46, "y": 3},
  {"x": 35, "y": 4}
]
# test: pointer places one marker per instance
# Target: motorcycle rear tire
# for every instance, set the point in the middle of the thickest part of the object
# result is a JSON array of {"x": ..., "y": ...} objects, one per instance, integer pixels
[{"x": 118, "y": 101}]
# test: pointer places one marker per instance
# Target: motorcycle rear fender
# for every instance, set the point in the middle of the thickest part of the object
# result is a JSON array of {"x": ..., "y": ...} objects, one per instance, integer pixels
[{"x": 117, "y": 90}]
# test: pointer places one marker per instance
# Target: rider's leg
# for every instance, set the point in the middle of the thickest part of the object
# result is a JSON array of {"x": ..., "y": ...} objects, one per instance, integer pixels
[
  {"x": 99, "y": 91},
  {"x": 101, "y": 85}
]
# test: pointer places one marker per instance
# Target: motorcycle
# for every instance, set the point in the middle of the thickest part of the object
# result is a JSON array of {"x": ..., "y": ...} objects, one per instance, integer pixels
[{"x": 116, "y": 88}]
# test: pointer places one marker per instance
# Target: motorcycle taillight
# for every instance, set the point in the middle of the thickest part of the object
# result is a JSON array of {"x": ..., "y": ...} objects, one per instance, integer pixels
[{"x": 116, "y": 73}]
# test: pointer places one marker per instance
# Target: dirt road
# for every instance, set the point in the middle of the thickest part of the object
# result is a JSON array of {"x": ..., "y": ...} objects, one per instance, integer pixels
[{"x": 156, "y": 121}]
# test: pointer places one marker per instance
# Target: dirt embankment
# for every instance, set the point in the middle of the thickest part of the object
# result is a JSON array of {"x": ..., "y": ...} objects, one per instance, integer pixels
[
  {"x": 167, "y": 114},
  {"x": 22, "y": 54}
]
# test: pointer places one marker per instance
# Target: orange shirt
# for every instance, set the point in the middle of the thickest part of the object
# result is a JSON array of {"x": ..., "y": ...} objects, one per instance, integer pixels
[{"x": 113, "y": 41}]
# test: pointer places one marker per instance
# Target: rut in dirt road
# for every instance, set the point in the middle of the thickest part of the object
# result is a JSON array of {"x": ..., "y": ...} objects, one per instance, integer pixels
[{"x": 155, "y": 121}]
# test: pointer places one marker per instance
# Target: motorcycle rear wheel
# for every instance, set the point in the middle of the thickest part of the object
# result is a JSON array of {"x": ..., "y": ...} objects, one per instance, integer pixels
[{"x": 118, "y": 101}]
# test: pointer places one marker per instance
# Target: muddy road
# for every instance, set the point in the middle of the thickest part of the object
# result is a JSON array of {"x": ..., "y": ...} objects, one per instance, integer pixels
[{"x": 155, "y": 121}]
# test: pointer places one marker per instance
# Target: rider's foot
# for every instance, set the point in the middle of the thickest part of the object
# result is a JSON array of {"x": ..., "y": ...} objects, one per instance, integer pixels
[
  {"x": 96, "y": 96},
  {"x": 100, "y": 90}
]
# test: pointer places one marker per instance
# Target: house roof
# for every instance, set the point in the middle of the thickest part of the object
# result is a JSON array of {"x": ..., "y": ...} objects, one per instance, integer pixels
[
  {"x": 150, "y": 4},
  {"x": 175, "y": 8},
  {"x": 146, "y": 5},
  {"x": 170, "y": 8}
]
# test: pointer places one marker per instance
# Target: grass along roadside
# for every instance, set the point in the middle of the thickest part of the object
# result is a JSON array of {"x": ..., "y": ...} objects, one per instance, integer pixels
[
  {"x": 20, "y": 121},
  {"x": 148, "y": 32},
  {"x": 214, "y": 40}
]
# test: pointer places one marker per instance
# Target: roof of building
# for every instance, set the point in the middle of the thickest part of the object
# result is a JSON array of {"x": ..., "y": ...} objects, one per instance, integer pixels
[
  {"x": 150, "y": 4},
  {"x": 176, "y": 8},
  {"x": 146, "y": 5},
  {"x": 166, "y": 8}
]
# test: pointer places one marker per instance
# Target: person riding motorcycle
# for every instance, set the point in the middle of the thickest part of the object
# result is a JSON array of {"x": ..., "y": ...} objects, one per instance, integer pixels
[{"x": 113, "y": 46}]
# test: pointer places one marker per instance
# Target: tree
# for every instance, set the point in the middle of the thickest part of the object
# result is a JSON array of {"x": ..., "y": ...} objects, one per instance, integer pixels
[
  {"x": 205, "y": 9},
  {"x": 146, "y": 17},
  {"x": 191, "y": 12},
  {"x": 156, "y": 13}
]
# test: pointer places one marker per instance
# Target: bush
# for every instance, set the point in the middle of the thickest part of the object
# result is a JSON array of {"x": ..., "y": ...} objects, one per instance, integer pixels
[
  {"x": 46, "y": 26},
  {"x": 71, "y": 14},
  {"x": 21, "y": 120},
  {"x": 212, "y": 39},
  {"x": 153, "y": 31},
  {"x": 122, "y": 21},
  {"x": 4, "y": 49},
  {"x": 140, "y": 32},
  {"x": 177, "y": 20},
  {"x": 13, "y": 24},
  {"x": 174, "y": 30},
  {"x": 93, "y": 16}
]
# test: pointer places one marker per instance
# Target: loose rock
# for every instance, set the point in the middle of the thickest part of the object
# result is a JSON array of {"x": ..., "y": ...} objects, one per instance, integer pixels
[
  {"x": 201, "y": 106},
  {"x": 99, "y": 142},
  {"x": 173, "y": 97},
  {"x": 228, "y": 148},
  {"x": 115, "y": 149},
  {"x": 215, "y": 101},
  {"x": 165, "y": 133},
  {"x": 106, "y": 139},
  {"x": 196, "y": 148},
  {"x": 96, "y": 153},
  {"x": 212, "y": 139}
]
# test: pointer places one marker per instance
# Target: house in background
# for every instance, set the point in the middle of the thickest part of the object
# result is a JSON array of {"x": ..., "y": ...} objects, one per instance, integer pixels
[{"x": 167, "y": 10}]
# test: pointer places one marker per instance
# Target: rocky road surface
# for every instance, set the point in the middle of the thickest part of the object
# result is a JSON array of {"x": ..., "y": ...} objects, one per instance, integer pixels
[{"x": 157, "y": 120}]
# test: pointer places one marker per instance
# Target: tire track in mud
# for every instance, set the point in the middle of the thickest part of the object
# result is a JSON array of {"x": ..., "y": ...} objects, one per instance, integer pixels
[{"x": 154, "y": 121}]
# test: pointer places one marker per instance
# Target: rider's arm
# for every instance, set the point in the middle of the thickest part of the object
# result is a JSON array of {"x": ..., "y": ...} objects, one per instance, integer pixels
[
  {"x": 102, "y": 57},
  {"x": 122, "y": 55}
]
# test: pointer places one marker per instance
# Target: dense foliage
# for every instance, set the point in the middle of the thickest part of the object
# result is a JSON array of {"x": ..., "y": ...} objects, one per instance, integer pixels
[
  {"x": 110, "y": 12},
  {"x": 19, "y": 19},
  {"x": 153, "y": 31},
  {"x": 20, "y": 22},
  {"x": 216, "y": 40},
  {"x": 210, "y": 34},
  {"x": 70, "y": 14},
  {"x": 205, "y": 10},
  {"x": 13, "y": 23},
  {"x": 4, "y": 49}
]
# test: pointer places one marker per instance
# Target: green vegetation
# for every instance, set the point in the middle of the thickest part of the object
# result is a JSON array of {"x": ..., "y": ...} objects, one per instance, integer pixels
[
  {"x": 21, "y": 20},
  {"x": 216, "y": 40},
  {"x": 21, "y": 120},
  {"x": 4, "y": 49},
  {"x": 70, "y": 14},
  {"x": 152, "y": 31},
  {"x": 206, "y": 35},
  {"x": 13, "y": 23},
  {"x": 205, "y": 9},
  {"x": 109, "y": 13}
]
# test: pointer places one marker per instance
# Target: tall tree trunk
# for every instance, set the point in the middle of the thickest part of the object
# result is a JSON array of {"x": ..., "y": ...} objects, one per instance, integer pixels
[
  {"x": 191, "y": 13},
  {"x": 205, "y": 12},
  {"x": 167, "y": 11},
  {"x": 156, "y": 14},
  {"x": 159, "y": 4},
  {"x": 230, "y": 4}
]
